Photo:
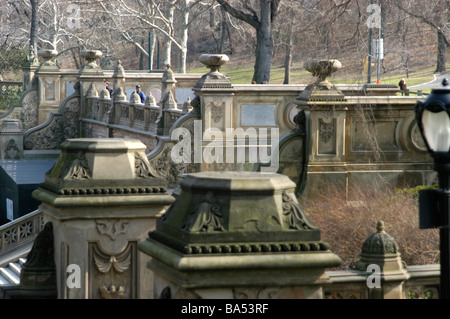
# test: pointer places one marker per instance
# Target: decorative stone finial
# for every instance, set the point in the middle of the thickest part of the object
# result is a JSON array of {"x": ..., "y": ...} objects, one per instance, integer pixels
[
  {"x": 135, "y": 98},
  {"x": 150, "y": 100},
  {"x": 380, "y": 243},
  {"x": 214, "y": 79},
  {"x": 119, "y": 71},
  {"x": 213, "y": 61},
  {"x": 321, "y": 90},
  {"x": 382, "y": 249},
  {"x": 322, "y": 68},
  {"x": 91, "y": 56},
  {"x": 380, "y": 226},
  {"x": 48, "y": 55}
]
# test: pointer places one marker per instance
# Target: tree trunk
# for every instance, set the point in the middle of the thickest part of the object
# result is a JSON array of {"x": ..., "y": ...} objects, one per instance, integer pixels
[
  {"x": 264, "y": 45},
  {"x": 34, "y": 26},
  {"x": 183, "y": 38},
  {"x": 288, "y": 57},
  {"x": 442, "y": 53},
  {"x": 167, "y": 42},
  {"x": 263, "y": 27}
]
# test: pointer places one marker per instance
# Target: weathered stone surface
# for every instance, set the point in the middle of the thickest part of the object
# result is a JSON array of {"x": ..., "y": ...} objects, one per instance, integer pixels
[
  {"x": 233, "y": 231},
  {"x": 102, "y": 196}
]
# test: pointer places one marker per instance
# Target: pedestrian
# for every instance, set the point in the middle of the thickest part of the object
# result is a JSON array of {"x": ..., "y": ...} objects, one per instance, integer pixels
[
  {"x": 402, "y": 85},
  {"x": 109, "y": 89},
  {"x": 140, "y": 93}
]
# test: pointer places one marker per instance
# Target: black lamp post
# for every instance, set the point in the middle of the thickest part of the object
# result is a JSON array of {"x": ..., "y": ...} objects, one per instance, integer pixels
[{"x": 433, "y": 119}]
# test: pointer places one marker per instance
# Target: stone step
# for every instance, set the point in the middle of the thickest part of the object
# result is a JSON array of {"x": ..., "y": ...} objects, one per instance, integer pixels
[
  {"x": 16, "y": 268},
  {"x": 10, "y": 275}
]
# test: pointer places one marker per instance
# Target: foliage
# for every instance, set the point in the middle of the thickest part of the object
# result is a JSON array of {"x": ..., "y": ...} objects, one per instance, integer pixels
[
  {"x": 12, "y": 59},
  {"x": 345, "y": 225},
  {"x": 9, "y": 96},
  {"x": 414, "y": 191}
]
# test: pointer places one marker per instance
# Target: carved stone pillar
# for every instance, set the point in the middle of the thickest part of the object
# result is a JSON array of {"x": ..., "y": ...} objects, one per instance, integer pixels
[
  {"x": 11, "y": 140},
  {"x": 49, "y": 85},
  {"x": 91, "y": 78},
  {"x": 102, "y": 197},
  {"x": 215, "y": 94},
  {"x": 239, "y": 235}
]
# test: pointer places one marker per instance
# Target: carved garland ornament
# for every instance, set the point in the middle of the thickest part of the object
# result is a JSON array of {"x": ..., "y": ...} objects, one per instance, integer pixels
[{"x": 206, "y": 217}]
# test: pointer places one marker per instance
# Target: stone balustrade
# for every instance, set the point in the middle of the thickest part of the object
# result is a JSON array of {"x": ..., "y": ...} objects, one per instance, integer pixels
[
  {"x": 6, "y": 85},
  {"x": 18, "y": 234}
]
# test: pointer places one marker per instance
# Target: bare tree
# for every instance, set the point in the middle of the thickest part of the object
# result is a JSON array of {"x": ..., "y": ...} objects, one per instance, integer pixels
[
  {"x": 132, "y": 19},
  {"x": 436, "y": 14},
  {"x": 262, "y": 23},
  {"x": 34, "y": 26}
]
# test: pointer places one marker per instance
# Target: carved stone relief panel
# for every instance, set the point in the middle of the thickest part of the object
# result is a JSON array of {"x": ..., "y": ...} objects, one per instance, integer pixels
[
  {"x": 112, "y": 274},
  {"x": 49, "y": 90},
  {"x": 327, "y": 136},
  {"x": 217, "y": 112},
  {"x": 112, "y": 261}
]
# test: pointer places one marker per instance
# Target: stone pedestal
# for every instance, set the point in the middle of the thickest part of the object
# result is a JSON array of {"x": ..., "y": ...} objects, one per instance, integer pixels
[
  {"x": 102, "y": 197},
  {"x": 49, "y": 85},
  {"x": 11, "y": 140},
  {"x": 215, "y": 93},
  {"x": 235, "y": 235}
]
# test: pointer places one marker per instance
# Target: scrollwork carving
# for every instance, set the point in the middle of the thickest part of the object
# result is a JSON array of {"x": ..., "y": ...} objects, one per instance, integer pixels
[
  {"x": 206, "y": 217},
  {"x": 79, "y": 169},
  {"x": 112, "y": 229},
  {"x": 143, "y": 169},
  {"x": 294, "y": 215}
]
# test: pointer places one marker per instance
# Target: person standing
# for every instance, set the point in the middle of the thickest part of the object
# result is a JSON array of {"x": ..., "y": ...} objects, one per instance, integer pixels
[
  {"x": 109, "y": 89},
  {"x": 402, "y": 85},
  {"x": 140, "y": 93}
]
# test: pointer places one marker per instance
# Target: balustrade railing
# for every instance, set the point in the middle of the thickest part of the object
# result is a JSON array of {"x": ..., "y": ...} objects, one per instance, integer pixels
[
  {"x": 6, "y": 85},
  {"x": 133, "y": 115},
  {"x": 20, "y": 232}
]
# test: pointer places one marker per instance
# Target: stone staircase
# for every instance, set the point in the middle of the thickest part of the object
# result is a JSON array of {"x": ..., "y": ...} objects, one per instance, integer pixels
[{"x": 10, "y": 274}]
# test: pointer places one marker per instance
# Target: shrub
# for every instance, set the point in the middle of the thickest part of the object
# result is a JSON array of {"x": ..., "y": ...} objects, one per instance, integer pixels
[
  {"x": 345, "y": 225},
  {"x": 9, "y": 96}
]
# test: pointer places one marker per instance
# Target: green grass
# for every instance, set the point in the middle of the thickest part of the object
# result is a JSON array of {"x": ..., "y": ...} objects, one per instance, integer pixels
[{"x": 243, "y": 75}]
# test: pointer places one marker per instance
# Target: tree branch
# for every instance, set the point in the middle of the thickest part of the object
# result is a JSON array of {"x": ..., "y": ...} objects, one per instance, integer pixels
[{"x": 249, "y": 18}]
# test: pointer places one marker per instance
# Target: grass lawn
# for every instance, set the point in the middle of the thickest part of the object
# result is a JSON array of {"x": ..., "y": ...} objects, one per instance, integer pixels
[{"x": 243, "y": 75}]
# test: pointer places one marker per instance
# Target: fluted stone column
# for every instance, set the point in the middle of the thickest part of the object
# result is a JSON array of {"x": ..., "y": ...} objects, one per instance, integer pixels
[
  {"x": 237, "y": 235},
  {"x": 102, "y": 197}
]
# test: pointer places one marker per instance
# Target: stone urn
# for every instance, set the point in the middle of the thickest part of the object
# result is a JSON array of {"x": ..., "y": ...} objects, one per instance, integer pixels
[
  {"x": 322, "y": 68},
  {"x": 214, "y": 79},
  {"x": 213, "y": 61},
  {"x": 48, "y": 55},
  {"x": 321, "y": 90},
  {"x": 91, "y": 56}
]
